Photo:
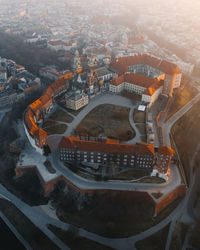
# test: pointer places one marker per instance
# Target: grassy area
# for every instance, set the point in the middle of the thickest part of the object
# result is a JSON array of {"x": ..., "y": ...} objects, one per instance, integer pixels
[
  {"x": 116, "y": 215},
  {"x": 179, "y": 235},
  {"x": 48, "y": 123},
  {"x": 57, "y": 129},
  {"x": 34, "y": 236},
  {"x": 157, "y": 195},
  {"x": 186, "y": 134},
  {"x": 75, "y": 242},
  {"x": 129, "y": 175},
  {"x": 139, "y": 116},
  {"x": 80, "y": 173},
  {"x": 142, "y": 128},
  {"x": 152, "y": 179},
  {"x": 49, "y": 167},
  {"x": 182, "y": 96},
  {"x": 108, "y": 120},
  {"x": 61, "y": 116},
  {"x": 156, "y": 241}
]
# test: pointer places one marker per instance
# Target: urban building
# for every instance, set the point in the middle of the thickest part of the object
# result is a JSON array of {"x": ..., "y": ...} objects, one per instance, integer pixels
[
  {"x": 141, "y": 156},
  {"x": 76, "y": 99},
  {"x": 151, "y": 67}
]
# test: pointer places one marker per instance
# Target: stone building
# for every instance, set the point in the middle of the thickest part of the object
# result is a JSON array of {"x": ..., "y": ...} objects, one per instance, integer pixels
[{"x": 76, "y": 99}]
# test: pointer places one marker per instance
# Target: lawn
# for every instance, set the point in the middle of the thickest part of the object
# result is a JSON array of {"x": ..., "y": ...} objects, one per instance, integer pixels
[
  {"x": 36, "y": 238},
  {"x": 75, "y": 242},
  {"x": 139, "y": 116},
  {"x": 56, "y": 129},
  {"x": 182, "y": 96},
  {"x": 61, "y": 116},
  {"x": 107, "y": 120},
  {"x": 186, "y": 134},
  {"x": 156, "y": 241},
  {"x": 142, "y": 128}
]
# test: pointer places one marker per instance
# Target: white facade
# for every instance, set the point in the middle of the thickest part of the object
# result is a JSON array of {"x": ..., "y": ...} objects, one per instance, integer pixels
[
  {"x": 32, "y": 141},
  {"x": 130, "y": 87},
  {"x": 152, "y": 98},
  {"x": 177, "y": 81},
  {"x": 156, "y": 173}
]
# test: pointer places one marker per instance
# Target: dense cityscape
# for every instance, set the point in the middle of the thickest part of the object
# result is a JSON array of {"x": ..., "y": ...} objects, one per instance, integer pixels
[{"x": 99, "y": 114}]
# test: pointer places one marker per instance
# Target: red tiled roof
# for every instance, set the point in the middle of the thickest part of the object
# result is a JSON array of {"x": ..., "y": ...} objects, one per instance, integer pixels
[
  {"x": 136, "y": 79},
  {"x": 152, "y": 89},
  {"x": 122, "y": 64},
  {"x": 166, "y": 151},
  {"x": 107, "y": 146}
]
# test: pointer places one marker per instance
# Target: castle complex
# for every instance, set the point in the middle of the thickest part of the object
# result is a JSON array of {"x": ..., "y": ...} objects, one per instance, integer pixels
[
  {"x": 146, "y": 75},
  {"x": 141, "y": 156},
  {"x": 143, "y": 74}
]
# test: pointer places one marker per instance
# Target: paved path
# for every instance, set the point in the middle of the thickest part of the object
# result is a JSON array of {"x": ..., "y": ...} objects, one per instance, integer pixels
[{"x": 137, "y": 137}]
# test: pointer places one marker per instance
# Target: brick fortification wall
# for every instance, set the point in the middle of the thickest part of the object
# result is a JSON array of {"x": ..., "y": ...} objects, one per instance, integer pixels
[
  {"x": 178, "y": 192},
  {"x": 159, "y": 206}
]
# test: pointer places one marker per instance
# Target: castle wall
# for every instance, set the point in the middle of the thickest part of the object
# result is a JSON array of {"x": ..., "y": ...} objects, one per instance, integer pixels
[
  {"x": 159, "y": 206},
  {"x": 169, "y": 198}
]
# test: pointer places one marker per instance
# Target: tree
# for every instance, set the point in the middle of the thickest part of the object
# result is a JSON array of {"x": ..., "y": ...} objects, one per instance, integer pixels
[{"x": 46, "y": 150}]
